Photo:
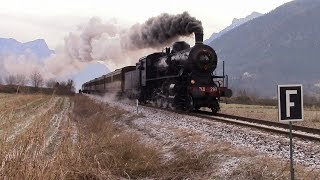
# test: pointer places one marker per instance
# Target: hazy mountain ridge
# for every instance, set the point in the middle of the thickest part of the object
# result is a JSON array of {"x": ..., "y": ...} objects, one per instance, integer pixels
[
  {"x": 10, "y": 46},
  {"x": 39, "y": 47},
  {"x": 282, "y": 46},
  {"x": 235, "y": 23}
]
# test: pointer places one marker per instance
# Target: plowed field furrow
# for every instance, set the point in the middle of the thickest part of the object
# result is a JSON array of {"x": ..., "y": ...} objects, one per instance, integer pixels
[
  {"x": 57, "y": 126},
  {"x": 17, "y": 124}
]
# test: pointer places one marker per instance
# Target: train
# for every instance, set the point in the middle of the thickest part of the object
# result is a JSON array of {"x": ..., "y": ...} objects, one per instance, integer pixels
[{"x": 179, "y": 77}]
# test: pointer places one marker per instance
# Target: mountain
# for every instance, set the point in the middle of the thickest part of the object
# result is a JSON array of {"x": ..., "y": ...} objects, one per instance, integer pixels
[
  {"x": 11, "y": 46},
  {"x": 280, "y": 47},
  {"x": 235, "y": 23}
]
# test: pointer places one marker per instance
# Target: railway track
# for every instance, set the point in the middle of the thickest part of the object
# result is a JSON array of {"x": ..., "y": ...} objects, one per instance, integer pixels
[
  {"x": 270, "y": 126},
  {"x": 276, "y": 127}
]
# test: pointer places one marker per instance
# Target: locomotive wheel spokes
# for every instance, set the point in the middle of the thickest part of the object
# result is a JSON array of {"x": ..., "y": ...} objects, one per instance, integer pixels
[
  {"x": 165, "y": 103},
  {"x": 190, "y": 104},
  {"x": 171, "y": 106},
  {"x": 214, "y": 110},
  {"x": 159, "y": 102},
  {"x": 153, "y": 103},
  {"x": 197, "y": 108}
]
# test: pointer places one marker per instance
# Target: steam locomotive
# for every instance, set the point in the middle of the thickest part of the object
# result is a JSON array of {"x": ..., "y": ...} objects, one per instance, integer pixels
[{"x": 181, "y": 77}]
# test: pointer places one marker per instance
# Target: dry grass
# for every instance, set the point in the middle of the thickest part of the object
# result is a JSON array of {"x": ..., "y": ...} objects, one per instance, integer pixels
[
  {"x": 266, "y": 168},
  {"x": 122, "y": 154},
  {"x": 270, "y": 113},
  {"x": 75, "y": 138},
  {"x": 239, "y": 163}
]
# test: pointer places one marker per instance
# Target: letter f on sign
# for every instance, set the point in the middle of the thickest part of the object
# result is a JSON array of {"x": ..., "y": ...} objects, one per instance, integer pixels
[{"x": 288, "y": 102}]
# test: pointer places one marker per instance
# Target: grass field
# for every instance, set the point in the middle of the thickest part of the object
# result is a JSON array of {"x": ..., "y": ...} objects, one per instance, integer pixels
[
  {"x": 52, "y": 137},
  {"x": 270, "y": 113},
  {"x": 62, "y": 137}
]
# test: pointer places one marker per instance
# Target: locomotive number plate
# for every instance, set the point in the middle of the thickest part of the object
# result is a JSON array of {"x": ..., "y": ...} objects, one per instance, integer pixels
[
  {"x": 213, "y": 89},
  {"x": 203, "y": 89},
  {"x": 208, "y": 89}
]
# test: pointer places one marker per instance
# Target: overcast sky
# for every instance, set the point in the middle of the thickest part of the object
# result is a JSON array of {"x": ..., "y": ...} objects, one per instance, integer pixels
[{"x": 52, "y": 20}]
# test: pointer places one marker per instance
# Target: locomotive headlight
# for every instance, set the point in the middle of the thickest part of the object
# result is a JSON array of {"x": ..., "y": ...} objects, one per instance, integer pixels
[{"x": 193, "y": 81}]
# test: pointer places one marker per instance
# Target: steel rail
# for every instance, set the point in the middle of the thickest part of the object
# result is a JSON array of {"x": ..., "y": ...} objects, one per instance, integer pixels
[{"x": 269, "y": 126}]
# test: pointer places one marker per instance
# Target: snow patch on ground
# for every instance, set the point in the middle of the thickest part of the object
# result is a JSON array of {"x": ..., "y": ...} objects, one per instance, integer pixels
[
  {"x": 229, "y": 165},
  {"x": 73, "y": 126},
  {"x": 54, "y": 134},
  {"x": 21, "y": 127}
]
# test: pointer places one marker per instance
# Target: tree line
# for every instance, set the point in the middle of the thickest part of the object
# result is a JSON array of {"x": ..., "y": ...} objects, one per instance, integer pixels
[
  {"x": 36, "y": 82},
  {"x": 35, "y": 79}
]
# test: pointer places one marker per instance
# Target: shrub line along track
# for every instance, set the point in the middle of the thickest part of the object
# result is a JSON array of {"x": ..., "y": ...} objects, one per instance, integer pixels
[{"x": 270, "y": 126}]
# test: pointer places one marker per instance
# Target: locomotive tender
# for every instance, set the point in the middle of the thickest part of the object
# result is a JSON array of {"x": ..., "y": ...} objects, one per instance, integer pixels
[{"x": 181, "y": 77}]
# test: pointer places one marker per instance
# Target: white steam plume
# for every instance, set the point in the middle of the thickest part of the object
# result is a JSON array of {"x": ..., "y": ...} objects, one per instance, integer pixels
[{"x": 110, "y": 43}]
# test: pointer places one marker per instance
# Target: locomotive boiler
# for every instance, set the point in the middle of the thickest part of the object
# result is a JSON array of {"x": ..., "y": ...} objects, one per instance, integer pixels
[{"x": 179, "y": 77}]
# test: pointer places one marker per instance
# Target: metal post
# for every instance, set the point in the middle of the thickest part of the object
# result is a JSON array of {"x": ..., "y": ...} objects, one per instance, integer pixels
[
  {"x": 137, "y": 104},
  {"x": 291, "y": 152},
  {"x": 226, "y": 85},
  {"x": 223, "y": 73}
]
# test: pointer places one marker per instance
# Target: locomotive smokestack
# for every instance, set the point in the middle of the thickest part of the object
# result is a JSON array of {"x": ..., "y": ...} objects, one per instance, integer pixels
[{"x": 198, "y": 37}]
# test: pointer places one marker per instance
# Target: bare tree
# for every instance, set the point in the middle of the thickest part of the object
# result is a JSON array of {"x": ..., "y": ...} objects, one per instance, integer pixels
[
  {"x": 62, "y": 84},
  {"x": 65, "y": 87},
  {"x": 0, "y": 80},
  {"x": 51, "y": 83},
  {"x": 70, "y": 85},
  {"x": 21, "y": 80},
  {"x": 36, "y": 79},
  {"x": 11, "y": 80}
]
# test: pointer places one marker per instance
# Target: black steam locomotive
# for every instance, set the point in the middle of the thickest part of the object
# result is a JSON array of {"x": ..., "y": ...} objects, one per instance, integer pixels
[{"x": 181, "y": 77}]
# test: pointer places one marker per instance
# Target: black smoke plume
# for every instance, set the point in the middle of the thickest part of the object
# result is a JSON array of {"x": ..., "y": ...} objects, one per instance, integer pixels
[{"x": 161, "y": 30}]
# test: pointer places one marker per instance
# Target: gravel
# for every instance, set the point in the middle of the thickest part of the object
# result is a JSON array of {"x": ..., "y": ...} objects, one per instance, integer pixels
[{"x": 170, "y": 130}]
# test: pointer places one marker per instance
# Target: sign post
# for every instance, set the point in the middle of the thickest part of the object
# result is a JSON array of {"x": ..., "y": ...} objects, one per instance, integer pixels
[
  {"x": 137, "y": 104},
  {"x": 291, "y": 152},
  {"x": 290, "y": 106}
]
